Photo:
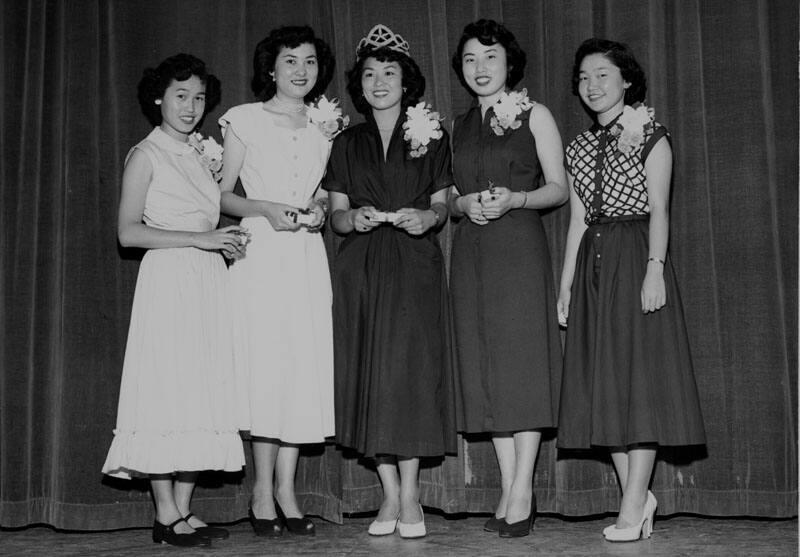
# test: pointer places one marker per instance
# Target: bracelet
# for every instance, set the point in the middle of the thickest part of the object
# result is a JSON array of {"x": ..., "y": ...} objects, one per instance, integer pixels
[
  {"x": 656, "y": 259},
  {"x": 525, "y": 201}
]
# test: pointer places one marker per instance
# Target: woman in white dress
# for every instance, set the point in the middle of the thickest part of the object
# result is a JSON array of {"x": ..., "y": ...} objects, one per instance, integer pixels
[
  {"x": 281, "y": 288},
  {"x": 177, "y": 403}
]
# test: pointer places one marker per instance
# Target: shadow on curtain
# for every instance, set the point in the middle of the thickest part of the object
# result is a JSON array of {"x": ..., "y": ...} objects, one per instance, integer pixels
[{"x": 722, "y": 77}]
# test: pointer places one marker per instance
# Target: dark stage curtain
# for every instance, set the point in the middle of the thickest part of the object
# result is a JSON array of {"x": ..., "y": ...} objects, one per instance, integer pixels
[{"x": 722, "y": 78}]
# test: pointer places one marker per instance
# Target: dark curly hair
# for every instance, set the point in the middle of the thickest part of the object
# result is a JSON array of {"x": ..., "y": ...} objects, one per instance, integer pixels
[
  {"x": 413, "y": 81},
  {"x": 267, "y": 52},
  {"x": 489, "y": 32},
  {"x": 180, "y": 67},
  {"x": 622, "y": 57}
]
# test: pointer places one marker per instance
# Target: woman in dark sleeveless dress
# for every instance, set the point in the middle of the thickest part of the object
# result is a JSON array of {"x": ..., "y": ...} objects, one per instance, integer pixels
[
  {"x": 508, "y": 345},
  {"x": 628, "y": 379},
  {"x": 388, "y": 193}
]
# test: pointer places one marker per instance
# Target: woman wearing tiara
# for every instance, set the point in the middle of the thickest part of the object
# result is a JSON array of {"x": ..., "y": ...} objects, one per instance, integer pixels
[
  {"x": 388, "y": 181},
  {"x": 508, "y": 164},
  {"x": 282, "y": 287}
]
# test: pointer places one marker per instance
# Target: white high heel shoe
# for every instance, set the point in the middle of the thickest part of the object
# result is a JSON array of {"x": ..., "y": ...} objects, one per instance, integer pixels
[
  {"x": 414, "y": 530},
  {"x": 383, "y": 527},
  {"x": 642, "y": 530}
]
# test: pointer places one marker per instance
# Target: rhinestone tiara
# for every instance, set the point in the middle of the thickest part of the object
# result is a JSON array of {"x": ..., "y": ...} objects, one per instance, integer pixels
[{"x": 381, "y": 36}]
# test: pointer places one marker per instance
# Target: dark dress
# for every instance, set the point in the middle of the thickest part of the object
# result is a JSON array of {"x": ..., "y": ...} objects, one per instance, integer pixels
[
  {"x": 628, "y": 376},
  {"x": 392, "y": 368},
  {"x": 501, "y": 281}
]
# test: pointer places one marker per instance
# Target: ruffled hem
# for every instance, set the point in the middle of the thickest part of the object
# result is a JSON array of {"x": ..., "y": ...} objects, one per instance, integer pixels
[{"x": 137, "y": 453}]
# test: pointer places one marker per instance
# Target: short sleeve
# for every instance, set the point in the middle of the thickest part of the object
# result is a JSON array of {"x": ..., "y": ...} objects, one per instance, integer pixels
[
  {"x": 337, "y": 175},
  {"x": 659, "y": 132},
  {"x": 238, "y": 120},
  {"x": 441, "y": 164},
  {"x": 569, "y": 157}
]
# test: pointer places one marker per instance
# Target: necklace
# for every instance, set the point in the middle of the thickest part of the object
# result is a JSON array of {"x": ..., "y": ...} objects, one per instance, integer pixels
[{"x": 287, "y": 106}]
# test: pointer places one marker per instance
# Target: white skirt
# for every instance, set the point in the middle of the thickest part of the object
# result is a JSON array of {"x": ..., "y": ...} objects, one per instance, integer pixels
[{"x": 179, "y": 404}]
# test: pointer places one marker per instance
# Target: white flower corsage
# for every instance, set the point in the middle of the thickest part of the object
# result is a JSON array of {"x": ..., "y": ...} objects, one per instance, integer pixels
[
  {"x": 327, "y": 116},
  {"x": 631, "y": 127},
  {"x": 507, "y": 108},
  {"x": 421, "y": 126},
  {"x": 210, "y": 153}
]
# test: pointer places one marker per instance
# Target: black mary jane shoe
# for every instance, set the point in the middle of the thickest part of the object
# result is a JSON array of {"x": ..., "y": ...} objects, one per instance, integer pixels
[
  {"x": 168, "y": 535},
  {"x": 208, "y": 532},
  {"x": 266, "y": 527},
  {"x": 299, "y": 526},
  {"x": 522, "y": 527},
  {"x": 493, "y": 524}
]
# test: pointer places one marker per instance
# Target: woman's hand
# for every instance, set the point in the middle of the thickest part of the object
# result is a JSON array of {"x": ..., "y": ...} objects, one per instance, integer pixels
[
  {"x": 499, "y": 203},
  {"x": 562, "y": 305},
  {"x": 319, "y": 216},
  {"x": 361, "y": 218},
  {"x": 654, "y": 292},
  {"x": 415, "y": 221},
  {"x": 278, "y": 215},
  {"x": 231, "y": 241},
  {"x": 472, "y": 208}
]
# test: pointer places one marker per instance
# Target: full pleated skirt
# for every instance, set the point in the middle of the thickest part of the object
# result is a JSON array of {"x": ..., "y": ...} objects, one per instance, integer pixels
[
  {"x": 394, "y": 385},
  {"x": 628, "y": 376},
  {"x": 178, "y": 396}
]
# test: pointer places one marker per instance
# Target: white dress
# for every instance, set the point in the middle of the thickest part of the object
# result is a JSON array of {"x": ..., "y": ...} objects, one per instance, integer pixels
[
  {"x": 282, "y": 287},
  {"x": 178, "y": 403}
]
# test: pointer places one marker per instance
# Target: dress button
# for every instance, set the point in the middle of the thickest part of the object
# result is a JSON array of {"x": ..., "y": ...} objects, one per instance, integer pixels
[
  {"x": 295, "y": 157},
  {"x": 294, "y": 138},
  {"x": 598, "y": 256},
  {"x": 597, "y": 235}
]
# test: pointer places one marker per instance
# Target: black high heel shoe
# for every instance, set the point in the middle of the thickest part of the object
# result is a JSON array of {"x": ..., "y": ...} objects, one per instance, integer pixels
[
  {"x": 208, "y": 532},
  {"x": 168, "y": 535},
  {"x": 493, "y": 524},
  {"x": 301, "y": 526},
  {"x": 522, "y": 527},
  {"x": 266, "y": 527}
]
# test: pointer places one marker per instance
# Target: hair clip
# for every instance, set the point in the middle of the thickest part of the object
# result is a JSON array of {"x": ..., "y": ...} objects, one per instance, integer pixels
[{"x": 381, "y": 36}]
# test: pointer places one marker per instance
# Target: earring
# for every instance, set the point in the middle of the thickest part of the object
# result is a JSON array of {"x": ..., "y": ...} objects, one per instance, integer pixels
[
  {"x": 404, "y": 89},
  {"x": 273, "y": 76},
  {"x": 158, "y": 102}
]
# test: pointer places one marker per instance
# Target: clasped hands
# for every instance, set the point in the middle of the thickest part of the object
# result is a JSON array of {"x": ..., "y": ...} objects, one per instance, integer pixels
[
  {"x": 481, "y": 208},
  {"x": 413, "y": 221},
  {"x": 283, "y": 217}
]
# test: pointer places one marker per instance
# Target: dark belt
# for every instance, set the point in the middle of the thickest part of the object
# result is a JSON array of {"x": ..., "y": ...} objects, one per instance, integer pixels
[{"x": 603, "y": 219}]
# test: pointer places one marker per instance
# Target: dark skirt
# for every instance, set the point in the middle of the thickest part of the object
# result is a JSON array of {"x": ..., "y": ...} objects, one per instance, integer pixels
[
  {"x": 628, "y": 376},
  {"x": 507, "y": 339},
  {"x": 392, "y": 366}
]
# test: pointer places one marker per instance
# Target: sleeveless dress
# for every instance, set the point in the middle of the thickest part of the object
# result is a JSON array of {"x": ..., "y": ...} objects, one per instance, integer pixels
[
  {"x": 628, "y": 376},
  {"x": 178, "y": 403},
  {"x": 507, "y": 338},
  {"x": 282, "y": 288},
  {"x": 391, "y": 322}
]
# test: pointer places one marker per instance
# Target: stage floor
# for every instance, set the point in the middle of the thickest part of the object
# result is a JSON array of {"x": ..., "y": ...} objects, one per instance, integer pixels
[{"x": 552, "y": 535}]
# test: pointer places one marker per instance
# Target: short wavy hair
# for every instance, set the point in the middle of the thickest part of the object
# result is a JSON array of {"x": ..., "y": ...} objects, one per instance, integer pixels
[
  {"x": 622, "y": 57},
  {"x": 180, "y": 67},
  {"x": 412, "y": 80},
  {"x": 269, "y": 48},
  {"x": 489, "y": 32}
]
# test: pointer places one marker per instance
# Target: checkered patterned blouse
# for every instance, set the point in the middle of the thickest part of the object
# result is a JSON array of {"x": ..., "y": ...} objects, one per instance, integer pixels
[{"x": 624, "y": 186}]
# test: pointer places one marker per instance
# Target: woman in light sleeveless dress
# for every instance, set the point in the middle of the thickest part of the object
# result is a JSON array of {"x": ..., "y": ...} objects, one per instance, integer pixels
[{"x": 177, "y": 404}]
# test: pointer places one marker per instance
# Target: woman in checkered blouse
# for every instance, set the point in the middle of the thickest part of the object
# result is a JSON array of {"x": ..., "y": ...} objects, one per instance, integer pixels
[{"x": 628, "y": 383}]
